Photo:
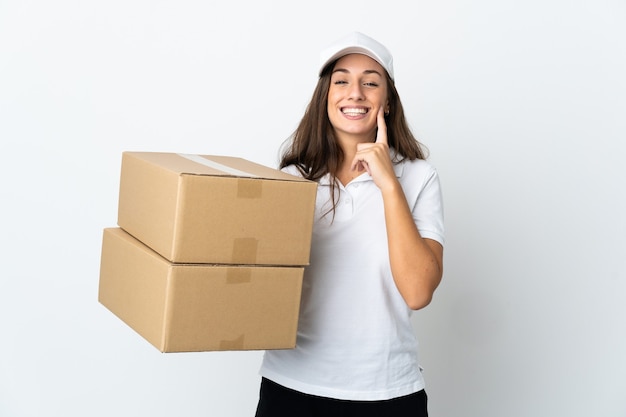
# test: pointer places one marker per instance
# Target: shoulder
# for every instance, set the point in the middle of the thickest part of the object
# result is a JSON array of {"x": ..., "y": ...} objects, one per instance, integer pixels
[
  {"x": 416, "y": 169},
  {"x": 293, "y": 170}
]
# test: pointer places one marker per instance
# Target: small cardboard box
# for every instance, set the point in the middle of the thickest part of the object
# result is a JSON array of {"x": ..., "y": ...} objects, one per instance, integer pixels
[
  {"x": 216, "y": 209},
  {"x": 198, "y": 307}
]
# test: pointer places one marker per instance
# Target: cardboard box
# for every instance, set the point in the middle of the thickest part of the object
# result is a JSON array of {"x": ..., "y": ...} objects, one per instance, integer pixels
[
  {"x": 216, "y": 209},
  {"x": 198, "y": 307}
]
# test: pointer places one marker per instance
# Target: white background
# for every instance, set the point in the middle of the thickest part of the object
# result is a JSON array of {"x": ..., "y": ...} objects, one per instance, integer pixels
[{"x": 521, "y": 103}]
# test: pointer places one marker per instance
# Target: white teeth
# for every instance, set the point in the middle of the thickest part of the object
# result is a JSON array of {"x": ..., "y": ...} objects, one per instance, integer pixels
[{"x": 354, "y": 111}]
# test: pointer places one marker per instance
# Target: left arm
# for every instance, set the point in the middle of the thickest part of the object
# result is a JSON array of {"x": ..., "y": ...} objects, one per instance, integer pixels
[{"x": 416, "y": 262}]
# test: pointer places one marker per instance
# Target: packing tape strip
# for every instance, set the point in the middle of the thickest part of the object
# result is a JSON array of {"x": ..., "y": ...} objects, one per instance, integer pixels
[
  {"x": 238, "y": 275},
  {"x": 249, "y": 188},
  {"x": 235, "y": 344},
  {"x": 245, "y": 250},
  {"x": 215, "y": 165}
]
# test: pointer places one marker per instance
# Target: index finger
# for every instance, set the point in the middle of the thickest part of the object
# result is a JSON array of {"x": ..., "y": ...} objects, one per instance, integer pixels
[{"x": 381, "y": 134}]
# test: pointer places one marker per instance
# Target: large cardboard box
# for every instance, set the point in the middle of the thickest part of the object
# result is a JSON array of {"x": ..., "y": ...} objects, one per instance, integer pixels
[
  {"x": 198, "y": 307},
  {"x": 216, "y": 209}
]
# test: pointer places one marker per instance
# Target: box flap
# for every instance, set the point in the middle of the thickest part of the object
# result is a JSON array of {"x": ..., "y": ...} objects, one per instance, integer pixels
[{"x": 214, "y": 165}]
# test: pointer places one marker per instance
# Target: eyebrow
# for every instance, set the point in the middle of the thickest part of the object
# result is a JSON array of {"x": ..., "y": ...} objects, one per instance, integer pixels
[{"x": 366, "y": 72}]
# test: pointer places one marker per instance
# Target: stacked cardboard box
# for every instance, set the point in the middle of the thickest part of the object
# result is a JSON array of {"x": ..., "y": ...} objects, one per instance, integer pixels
[{"x": 209, "y": 252}]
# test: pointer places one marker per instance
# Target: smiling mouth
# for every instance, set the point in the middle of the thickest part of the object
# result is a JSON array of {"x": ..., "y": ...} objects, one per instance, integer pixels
[{"x": 353, "y": 111}]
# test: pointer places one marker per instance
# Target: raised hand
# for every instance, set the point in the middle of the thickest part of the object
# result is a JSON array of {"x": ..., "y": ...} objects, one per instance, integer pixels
[{"x": 374, "y": 157}]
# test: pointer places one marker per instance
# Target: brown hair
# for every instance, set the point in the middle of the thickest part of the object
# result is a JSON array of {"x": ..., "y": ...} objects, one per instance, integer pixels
[{"x": 312, "y": 147}]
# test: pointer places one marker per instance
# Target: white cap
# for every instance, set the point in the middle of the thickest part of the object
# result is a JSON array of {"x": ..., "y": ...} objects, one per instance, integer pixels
[{"x": 357, "y": 43}]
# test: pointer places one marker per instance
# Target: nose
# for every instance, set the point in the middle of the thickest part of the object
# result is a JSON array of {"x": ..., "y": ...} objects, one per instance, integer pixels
[{"x": 356, "y": 92}]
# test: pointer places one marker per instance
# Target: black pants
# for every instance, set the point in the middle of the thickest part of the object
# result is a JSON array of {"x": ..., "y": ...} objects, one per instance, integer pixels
[{"x": 278, "y": 401}]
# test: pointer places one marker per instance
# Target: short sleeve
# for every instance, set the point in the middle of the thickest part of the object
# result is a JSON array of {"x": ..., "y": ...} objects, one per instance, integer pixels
[{"x": 423, "y": 189}]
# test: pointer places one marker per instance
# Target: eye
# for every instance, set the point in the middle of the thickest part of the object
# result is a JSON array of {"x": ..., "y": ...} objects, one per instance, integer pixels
[
  {"x": 337, "y": 82},
  {"x": 371, "y": 84}
]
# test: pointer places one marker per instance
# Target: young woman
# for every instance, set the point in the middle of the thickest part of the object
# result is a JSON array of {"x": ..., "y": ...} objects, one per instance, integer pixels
[{"x": 376, "y": 252}]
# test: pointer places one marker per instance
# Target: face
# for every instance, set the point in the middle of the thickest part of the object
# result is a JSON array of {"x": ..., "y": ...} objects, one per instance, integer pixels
[{"x": 358, "y": 89}]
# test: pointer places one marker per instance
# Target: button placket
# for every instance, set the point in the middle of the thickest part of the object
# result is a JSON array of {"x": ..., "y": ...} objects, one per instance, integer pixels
[{"x": 345, "y": 207}]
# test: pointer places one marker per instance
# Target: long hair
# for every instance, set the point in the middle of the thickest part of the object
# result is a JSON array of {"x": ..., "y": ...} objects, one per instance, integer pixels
[{"x": 313, "y": 149}]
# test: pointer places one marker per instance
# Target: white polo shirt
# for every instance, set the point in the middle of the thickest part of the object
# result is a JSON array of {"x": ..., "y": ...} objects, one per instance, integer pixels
[{"x": 355, "y": 340}]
